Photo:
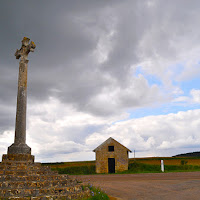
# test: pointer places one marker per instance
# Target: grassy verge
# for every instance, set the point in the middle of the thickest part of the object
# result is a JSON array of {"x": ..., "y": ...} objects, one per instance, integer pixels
[{"x": 96, "y": 193}]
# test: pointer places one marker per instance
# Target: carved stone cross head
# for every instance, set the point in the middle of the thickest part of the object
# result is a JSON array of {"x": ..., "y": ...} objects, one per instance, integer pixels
[{"x": 25, "y": 49}]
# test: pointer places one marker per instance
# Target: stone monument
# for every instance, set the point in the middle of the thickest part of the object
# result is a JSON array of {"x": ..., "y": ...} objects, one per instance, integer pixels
[
  {"x": 21, "y": 177},
  {"x": 19, "y": 146},
  {"x": 19, "y": 150}
]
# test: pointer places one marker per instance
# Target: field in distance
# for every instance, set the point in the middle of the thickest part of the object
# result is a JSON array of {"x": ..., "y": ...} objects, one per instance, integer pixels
[
  {"x": 168, "y": 160},
  {"x": 138, "y": 165}
]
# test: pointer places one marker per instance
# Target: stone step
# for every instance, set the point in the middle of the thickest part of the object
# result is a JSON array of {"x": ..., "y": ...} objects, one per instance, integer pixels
[
  {"x": 13, "y": 162},
  {"x": 23, "y": 167},
  {"x": 33, "y": 177},
  {"x": 28, "y": 158},
  {"x": 37, "y": 184},
  {"x": 22, "y": 179},
  {"x": 53, "y": 197},
  {"x": 27, "y": 172},
  {"x": 41, "y": 191}
]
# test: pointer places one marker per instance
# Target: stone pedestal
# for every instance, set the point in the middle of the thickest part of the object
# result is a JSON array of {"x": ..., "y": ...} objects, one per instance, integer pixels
[
  {"x": 19, "y": 149},
  {"x": 18, "y": 157}
]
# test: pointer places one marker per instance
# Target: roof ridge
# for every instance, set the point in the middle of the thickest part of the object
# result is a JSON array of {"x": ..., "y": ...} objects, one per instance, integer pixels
[{"x": 110, "y": 138}]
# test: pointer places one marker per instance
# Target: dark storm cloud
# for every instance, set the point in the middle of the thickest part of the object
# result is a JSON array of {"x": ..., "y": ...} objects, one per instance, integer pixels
[
  {"x": 67, "y": 35},
  {"x": 7, "y": 117},
  {"x": 61, "y": 39},
  {"x": 54, "y": 27}
]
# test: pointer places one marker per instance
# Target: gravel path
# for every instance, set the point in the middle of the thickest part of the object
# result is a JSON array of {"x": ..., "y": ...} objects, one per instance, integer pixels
[{"x": 156, "y": 186}]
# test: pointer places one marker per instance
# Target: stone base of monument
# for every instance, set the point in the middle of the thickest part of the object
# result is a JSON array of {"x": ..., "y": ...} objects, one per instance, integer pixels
[
  {"x": 19, "y": 148},
  {"x": 21, "y": 178},
  {"x": 18, "y": 157}
]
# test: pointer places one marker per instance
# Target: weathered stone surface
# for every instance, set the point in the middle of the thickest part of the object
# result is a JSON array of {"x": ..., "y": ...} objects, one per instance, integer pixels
[
  {"x": 29, "y": 180},
  {"x": 120, "y": 154},
  {"x": 19, "y": 146},
  {"x": 18, "y": 157}
]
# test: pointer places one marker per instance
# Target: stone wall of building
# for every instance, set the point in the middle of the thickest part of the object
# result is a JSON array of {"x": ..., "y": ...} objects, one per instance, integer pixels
[{"x": 120, "y": 154}]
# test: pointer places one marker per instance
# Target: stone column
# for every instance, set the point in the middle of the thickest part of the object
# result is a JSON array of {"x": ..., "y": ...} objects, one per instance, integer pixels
[{"x": 19, "y": 146}]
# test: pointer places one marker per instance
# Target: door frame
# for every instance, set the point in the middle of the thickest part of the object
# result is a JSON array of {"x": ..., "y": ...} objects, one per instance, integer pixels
[{"x": 111, "y": 165}]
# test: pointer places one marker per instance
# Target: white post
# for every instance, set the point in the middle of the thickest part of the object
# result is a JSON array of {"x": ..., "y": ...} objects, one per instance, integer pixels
[{"x": 162, "y": 166}]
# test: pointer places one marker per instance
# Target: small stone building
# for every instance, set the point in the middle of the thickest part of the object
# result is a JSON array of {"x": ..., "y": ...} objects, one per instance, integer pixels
[{"x": 111, "y": 157}]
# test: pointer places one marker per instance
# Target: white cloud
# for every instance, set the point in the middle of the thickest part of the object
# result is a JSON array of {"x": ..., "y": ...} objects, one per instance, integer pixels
[
  {"x": 59, "y": 133},
  {"x": 194, "y": 97},
  {"x": 55, "y": 129},
  {"x": 154, "y": 133}
]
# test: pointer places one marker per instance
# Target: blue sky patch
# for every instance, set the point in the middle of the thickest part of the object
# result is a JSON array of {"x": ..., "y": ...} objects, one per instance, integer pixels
[
  {"x": 152, "y": 79},
  {"x": 161, "y": 110}
]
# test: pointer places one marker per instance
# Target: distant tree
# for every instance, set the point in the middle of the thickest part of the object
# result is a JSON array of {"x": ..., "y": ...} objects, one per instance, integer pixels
[{"x": 184, "y": 162}]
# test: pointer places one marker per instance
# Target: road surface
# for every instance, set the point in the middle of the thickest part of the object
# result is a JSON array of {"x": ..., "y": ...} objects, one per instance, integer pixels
[{"x": 150, "y": 186}]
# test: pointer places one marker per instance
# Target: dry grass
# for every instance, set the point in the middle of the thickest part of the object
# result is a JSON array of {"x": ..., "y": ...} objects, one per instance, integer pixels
[
  {"x": 73, "y": 164},
  {"x": 168, "y": 161}
]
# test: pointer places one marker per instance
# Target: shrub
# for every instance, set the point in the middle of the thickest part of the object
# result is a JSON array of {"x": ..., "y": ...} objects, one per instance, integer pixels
[{"x": 184, "y": 162}]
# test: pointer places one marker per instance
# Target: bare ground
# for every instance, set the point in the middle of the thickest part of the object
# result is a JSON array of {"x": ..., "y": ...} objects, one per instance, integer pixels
[{"x": 151, "y": 186}]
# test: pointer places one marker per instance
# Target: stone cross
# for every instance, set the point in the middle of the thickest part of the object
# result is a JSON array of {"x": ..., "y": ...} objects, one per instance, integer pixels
[{"x": 19, "y": 146}]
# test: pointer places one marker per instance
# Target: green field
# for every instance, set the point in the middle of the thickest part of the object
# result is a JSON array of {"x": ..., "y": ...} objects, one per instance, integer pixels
[{"x": 138, "y": 165}]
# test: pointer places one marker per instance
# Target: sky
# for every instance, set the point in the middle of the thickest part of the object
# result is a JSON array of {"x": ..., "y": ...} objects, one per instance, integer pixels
[{"x": 123, "y": 69}]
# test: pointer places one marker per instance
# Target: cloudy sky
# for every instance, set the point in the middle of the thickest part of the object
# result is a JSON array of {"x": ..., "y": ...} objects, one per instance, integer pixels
[{"x": 123, "y": 69}]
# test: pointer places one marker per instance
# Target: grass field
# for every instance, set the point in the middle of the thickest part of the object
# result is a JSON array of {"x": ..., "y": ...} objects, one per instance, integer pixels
[
  {"x": 138, "y": 165},
  {"x": 71, "y": 164},
  {"x": 167, "y": 160}
]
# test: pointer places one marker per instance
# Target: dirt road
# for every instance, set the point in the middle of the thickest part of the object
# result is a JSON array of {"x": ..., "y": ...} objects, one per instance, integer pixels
[{"x": 157, "y": 186}]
